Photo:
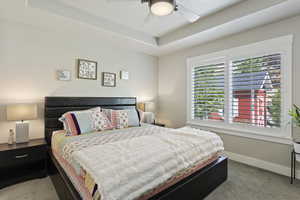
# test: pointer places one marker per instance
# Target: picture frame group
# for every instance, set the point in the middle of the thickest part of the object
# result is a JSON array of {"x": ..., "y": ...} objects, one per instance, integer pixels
[{"x": 88, "y": 70}]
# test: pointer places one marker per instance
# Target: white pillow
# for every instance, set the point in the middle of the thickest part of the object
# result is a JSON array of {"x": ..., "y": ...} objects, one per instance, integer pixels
[{"x": 133, "y": 118}]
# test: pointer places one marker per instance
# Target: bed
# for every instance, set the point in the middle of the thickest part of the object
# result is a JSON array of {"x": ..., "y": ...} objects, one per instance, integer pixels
[{"x": 194, "y": 183}]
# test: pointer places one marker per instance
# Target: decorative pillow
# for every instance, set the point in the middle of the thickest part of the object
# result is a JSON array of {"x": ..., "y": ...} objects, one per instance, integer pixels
[
  {"x": 85, "y": 121},
  {"x": 118, "y": 118},
  {"x": 101, "y": 122},
  {"x": 133, "y": 118},
  {"x": 79, "y": 122},
  {"x": 122, "y": 119}
]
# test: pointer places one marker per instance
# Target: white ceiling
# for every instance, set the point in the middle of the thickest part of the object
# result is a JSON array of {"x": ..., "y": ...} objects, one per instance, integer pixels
[
  {"x": 113, "y": 24},
  {"x": 132, "y": 13}
]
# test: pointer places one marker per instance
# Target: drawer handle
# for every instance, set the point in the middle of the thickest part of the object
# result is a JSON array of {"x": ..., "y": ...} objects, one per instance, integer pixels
[{"x": 22, "y": 156}]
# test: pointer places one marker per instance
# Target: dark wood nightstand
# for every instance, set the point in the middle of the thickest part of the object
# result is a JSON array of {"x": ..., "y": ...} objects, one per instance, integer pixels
[
  {"x": 21, "y": 162},
  {"x": 159, "y": 124}
]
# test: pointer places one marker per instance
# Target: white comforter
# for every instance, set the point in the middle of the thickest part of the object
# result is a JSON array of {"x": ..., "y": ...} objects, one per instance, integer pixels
[{"x": 127, "y": 169}]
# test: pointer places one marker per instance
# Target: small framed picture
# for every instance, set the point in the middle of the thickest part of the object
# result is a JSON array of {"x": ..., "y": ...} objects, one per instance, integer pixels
[
  {"x": 109, "y": 79},
  {"x": 124, "y": 75},
  {"x": 87, "y": 69},
  {"x": 63, "y": 75}
]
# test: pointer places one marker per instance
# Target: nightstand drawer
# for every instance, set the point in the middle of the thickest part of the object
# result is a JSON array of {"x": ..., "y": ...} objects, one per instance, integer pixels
[{"x": 20, "y": 156}]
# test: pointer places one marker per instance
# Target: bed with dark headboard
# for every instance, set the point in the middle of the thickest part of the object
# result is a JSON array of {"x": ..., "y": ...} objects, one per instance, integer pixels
[
  {"x": 56, "y": 106},
  {"x": 197, "y": 186}
]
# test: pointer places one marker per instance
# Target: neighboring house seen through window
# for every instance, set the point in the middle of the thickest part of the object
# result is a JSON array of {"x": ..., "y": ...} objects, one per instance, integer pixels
[{"x": 255, "y": 91}]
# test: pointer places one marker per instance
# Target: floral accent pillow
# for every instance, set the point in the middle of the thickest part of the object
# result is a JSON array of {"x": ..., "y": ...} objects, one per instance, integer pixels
[
  {"x": 122, "y": 119},
  {"x": 101, "y": 122},
  {"x": 118, "y": 118}
]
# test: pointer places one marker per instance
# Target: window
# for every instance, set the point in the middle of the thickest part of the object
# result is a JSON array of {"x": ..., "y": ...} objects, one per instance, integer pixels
[
  {"x": 208, "y": 92},
  {"x": 255, "y": 91},
  {"x": 245, "y": 89}
]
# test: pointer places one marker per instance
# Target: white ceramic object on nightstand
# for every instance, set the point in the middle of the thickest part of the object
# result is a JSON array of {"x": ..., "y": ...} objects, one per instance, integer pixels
[{"x": 11, "y": 137}]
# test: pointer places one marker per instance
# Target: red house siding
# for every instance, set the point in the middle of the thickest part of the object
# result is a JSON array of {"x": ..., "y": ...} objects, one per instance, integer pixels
[{"x": 251, "y": 109}]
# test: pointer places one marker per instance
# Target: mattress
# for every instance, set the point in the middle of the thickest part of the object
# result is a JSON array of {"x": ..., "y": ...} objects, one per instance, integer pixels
[{"x": 63, "y": 148}]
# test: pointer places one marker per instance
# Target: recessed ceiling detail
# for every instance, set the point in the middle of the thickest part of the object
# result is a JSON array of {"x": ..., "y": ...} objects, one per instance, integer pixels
[
  {"x": 61, "y": 8},
  {"x": 132, "y": 13},
  {"x": 123, "y": 23},
  {"x": 130, "y": 18}
]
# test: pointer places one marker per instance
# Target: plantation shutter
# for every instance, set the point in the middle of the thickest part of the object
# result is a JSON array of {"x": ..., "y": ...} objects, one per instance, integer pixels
[
  {"x": 208, "y": 92},
  {"x": 255, "y": 91}
]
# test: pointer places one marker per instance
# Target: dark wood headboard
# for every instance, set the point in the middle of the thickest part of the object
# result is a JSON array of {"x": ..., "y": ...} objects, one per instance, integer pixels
[{"x": 56, "y": 106}]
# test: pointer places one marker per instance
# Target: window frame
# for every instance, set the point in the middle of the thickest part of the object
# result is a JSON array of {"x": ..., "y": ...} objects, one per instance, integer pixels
[{"x": 282, "y": 45}]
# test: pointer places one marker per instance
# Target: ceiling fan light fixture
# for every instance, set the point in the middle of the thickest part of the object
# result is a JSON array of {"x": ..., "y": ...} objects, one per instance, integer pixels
[{"x": 162, "y": 7}]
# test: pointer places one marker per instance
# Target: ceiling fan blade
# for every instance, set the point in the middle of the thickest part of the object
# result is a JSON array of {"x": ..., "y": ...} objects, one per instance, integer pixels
[{"x": 188, "y": 14}]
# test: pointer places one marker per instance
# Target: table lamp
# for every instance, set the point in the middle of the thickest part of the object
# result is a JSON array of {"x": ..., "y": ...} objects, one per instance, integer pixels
[
  {"x": 20, "y": 113},
  {"x": 149, "y": 112}
]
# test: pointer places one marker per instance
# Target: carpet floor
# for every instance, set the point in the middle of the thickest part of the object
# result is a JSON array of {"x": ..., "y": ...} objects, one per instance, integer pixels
[
  {"x": 250, "y": 183},
  {"x": 244, "y": 183}
]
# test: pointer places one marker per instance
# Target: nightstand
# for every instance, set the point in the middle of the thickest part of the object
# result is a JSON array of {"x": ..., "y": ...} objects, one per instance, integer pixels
[
  {"x": 159, "y": 124},
  {"x": 21, "y": 162}
]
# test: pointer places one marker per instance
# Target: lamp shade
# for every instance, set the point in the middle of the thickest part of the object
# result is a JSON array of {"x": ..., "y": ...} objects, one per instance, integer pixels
[
  {"x": 149, "y": 107},
  {"x": 19, "y": 112}
]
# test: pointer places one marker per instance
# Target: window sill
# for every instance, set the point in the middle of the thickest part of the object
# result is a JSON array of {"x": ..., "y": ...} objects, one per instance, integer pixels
[{"x": 242, "y": 133}]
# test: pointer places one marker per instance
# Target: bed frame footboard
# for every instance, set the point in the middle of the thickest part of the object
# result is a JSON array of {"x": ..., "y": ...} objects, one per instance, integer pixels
[{"x": 194, "y": 187}]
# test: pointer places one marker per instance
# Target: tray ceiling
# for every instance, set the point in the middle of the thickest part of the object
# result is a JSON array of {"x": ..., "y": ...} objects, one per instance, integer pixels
[
  {"x": 132, "y": 13},
  {"x": 123, "y": 25}
]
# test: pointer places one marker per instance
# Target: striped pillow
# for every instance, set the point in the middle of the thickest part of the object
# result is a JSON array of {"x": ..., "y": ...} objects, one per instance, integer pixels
[{"x": 81, "y": 122}]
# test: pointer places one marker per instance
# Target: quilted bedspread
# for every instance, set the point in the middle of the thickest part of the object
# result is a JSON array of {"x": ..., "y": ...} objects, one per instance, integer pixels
[{"x": 129, "y": 167}]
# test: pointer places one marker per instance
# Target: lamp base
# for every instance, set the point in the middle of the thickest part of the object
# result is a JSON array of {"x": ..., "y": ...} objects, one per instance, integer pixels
[
  {"x": 149, "y": 117},
  {"x": 22, "y": 132}
]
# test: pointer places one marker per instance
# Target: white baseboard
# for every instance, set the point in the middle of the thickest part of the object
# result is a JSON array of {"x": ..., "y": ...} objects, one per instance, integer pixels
[{"x": 269, "y": 166}]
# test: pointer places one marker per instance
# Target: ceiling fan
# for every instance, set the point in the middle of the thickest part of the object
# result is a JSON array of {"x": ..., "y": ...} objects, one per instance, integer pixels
[{"x": 167, "y": 7}]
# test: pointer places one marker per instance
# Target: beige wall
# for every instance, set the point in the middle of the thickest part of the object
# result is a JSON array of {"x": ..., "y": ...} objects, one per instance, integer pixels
[
  {"x": 172, "y": 86},
  {"x": 30, "y": 56}
]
